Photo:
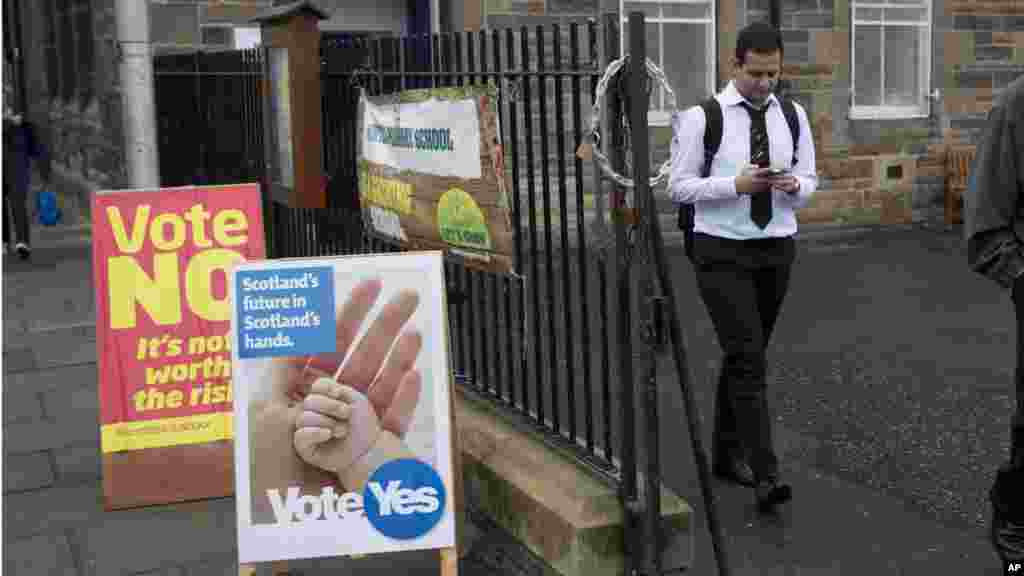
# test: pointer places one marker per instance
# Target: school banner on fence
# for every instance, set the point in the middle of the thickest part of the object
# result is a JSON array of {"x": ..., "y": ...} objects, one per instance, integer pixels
[
  {"x": 432, "y": 173},
  {"x": 160, "y": 263},
  {"x": 342, "y": 406}
]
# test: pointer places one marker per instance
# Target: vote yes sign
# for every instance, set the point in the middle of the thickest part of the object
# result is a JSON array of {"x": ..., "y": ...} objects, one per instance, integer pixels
[{"x": 160, "y": 265}]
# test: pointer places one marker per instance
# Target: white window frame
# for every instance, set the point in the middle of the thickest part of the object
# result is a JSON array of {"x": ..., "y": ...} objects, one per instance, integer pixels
[
  {"x": 891, "y": 112},
  {"x": 663, "y": 117}
]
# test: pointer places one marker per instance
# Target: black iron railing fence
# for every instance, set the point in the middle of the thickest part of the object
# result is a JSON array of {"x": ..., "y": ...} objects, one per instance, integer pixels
[
  {"x": 209, "y": 117},
  {"x": 539, "y": 343}
]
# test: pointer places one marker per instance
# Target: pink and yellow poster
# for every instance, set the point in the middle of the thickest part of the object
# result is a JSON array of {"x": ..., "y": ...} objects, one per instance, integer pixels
[{"x": 161, "y": 259}]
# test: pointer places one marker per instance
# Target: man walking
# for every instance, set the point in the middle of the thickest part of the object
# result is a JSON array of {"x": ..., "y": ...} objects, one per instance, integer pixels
[
  {"x": 19, "y": 148},
  {"x": 742, "y": 165},
  {"x": 994, "y": 229}
]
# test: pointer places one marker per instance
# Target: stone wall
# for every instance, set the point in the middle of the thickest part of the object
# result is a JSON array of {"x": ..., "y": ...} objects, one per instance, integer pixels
[
  {"x": 890, "y": 171},
  {"x": 83, "y": 136}
]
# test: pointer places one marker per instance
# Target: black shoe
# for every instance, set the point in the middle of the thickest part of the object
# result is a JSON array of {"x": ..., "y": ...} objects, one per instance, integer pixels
[
  {"x": 735, "y": 470},
  {"x": 23, "y": 250},
  {"x": 771, "y": 493}
]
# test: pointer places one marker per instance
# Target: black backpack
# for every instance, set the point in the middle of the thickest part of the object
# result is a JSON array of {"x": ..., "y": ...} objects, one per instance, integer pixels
[{"x": 712, "y": 140}]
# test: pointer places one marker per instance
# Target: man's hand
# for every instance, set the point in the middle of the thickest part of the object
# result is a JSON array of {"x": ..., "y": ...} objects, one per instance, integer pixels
[
  {"x": 753, "y": 180},
  {"x": 393, "y": 398},
  {"x": 786, "y": 183},
  {"x": 390, "y": 388}
]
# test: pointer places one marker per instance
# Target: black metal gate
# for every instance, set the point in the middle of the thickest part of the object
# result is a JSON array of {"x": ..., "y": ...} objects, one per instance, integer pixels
[
  {"x": 548, "y": 345},
  {"x": 539, "y": 343}
]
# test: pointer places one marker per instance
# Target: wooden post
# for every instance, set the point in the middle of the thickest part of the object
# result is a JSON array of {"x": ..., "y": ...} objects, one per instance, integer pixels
[{"x": 293, "y": 100}]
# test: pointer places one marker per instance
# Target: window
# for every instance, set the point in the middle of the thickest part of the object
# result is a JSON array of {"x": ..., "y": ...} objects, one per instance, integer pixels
[
  {"x": 891, "y": 58},
  {"x": 681, "y": 40},
  {"x": 247, "y": 37}
]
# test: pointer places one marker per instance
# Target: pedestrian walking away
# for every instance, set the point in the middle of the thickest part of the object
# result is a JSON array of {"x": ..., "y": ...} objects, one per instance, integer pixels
[
  {"x": 743, "y": 163},
  {"x": 994, "y": 229},
  {"x": 20, "y": 146}
]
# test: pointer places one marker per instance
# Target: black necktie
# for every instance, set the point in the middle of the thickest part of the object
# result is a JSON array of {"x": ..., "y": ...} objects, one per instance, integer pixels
[{"x": 760, "y": 203}]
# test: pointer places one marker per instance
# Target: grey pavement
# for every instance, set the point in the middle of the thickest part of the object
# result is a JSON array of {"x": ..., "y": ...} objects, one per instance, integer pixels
[
  {"x": 891, "y": 380},
  {"x": 53, "y": 517}
]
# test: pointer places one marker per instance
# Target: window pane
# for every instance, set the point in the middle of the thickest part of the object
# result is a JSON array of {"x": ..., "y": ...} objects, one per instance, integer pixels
[
  {"x": 870, "y": 14},
  {"x": 905, "y": 15},
  {"x": 654, "y": 53},
  {"x": 650, "y": 9},
  {"x": 687, "y": 61},
  {"x": 690, "y": 11},
  {"x": 902, "y": 66},
  {"x": 217, "y": 36},
  {"x": 867, "y": 68}
]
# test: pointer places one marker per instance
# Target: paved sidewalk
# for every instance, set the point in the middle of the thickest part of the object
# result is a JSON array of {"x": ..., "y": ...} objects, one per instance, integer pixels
[
  {"x": 54, "y": 522},
  {"x": 863, "y": 486},
  {"x": 890, "y": 376}
]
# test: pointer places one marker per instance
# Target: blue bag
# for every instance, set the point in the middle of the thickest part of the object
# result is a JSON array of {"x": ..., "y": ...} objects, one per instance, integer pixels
[{"x": 46, "y": 204}]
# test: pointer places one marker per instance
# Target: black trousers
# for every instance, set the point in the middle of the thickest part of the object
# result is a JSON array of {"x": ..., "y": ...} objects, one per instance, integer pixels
[
  {"x": 743, "y": 285},
  {"x": 15, "y": 186}
]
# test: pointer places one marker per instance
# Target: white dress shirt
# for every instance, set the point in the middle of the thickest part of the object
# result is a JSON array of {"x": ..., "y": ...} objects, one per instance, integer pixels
[{"x": 719, "y": 210}]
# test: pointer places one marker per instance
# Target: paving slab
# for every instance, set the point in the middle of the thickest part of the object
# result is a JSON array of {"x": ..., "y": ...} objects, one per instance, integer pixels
[
  {"x": 78, "y": 463},
  {"x": 27, "y": 472},
  {"x": 72, "y": 352},
  {"x": 21, "y": 403},
  {"x": 56, "y": 509},
  {"x": 41, "y": 435},
  {"x": 76, "y": 408},
  {"x": 61, "y": 378},
  {"x": 43, "y": 555},
  {"x": 18, "y": 360},
  {"x": 130, "y": 541}
]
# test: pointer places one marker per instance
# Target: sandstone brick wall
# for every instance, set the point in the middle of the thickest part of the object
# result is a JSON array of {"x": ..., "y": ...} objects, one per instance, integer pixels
[{"x": 887, "y": 171}]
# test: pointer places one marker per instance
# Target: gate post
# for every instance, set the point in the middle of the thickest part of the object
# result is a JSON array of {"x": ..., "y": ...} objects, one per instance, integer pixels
[
  {"x": 638, "y": 94},
  {"x": 628, "y": 493}
]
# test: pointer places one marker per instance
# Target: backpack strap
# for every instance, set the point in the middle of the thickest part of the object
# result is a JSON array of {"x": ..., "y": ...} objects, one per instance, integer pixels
[
  {"x": 712, "y": 140},
  {"x": 712, "y": 132},
  {"x": 789, "y": 111}
]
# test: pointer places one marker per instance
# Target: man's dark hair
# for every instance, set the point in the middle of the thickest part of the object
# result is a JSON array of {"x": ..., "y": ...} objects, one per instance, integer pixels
[{"x": 760, "y": 37}]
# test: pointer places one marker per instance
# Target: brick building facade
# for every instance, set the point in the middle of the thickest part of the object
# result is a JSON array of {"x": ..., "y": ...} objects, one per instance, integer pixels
[
  {"x": 878, "y": 167},
  {"x": 890, "y": 86},
  {"x": 883, "y": 125}
]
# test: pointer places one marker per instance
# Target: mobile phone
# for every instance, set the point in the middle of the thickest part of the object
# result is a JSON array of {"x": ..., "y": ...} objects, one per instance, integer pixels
[{"x": 776, "y": 171}]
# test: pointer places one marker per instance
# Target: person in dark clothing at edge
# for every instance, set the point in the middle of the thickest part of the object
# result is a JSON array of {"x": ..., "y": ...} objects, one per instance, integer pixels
[
  {"x": 744, "y": 220},
  {"x": 20, "y": 146},
  {"x": 994, "y": 230}
]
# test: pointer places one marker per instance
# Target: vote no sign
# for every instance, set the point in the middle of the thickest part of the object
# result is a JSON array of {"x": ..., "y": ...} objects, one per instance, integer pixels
[{"x": 160, "y": 265}]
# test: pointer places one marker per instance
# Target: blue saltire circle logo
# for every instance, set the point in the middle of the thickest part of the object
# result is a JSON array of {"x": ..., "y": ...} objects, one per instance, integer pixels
[{"x": 404, "y": 499}]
